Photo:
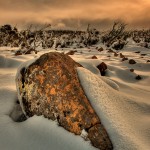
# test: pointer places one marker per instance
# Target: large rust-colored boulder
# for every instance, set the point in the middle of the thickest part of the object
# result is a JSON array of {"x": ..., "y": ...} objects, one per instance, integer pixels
[{"x": 50, "y": 87}]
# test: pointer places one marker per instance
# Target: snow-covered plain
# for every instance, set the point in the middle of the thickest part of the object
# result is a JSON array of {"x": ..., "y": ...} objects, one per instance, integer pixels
[{"x": 121, "y": 101}]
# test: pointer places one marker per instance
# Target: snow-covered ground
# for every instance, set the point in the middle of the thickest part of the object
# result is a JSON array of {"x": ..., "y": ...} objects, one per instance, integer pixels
[{"x": 121, "y": 101}]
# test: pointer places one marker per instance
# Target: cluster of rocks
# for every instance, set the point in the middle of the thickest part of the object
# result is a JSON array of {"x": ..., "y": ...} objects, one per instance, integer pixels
[{"x": 103, "y": 67}]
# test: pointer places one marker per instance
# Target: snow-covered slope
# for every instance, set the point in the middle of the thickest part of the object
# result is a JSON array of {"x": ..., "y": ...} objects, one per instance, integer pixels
[{"x": 121, "y": 101}]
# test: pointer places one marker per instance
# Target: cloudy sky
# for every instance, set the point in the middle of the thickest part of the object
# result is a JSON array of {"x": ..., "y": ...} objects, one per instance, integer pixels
[{"x": 75, "y": 14}]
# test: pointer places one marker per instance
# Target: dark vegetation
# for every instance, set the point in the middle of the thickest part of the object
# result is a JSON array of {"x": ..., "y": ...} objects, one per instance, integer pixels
[{"x": 31, "y": 39}]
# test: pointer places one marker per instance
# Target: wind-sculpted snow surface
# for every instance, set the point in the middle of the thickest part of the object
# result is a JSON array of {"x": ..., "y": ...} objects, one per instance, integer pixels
[
  {"x": 121, "y": 101},
  {"x": 123, "y": 117}
]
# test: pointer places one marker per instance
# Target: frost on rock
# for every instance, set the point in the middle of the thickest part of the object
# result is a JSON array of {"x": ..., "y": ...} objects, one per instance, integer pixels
[{"x": 22, "y": 68}]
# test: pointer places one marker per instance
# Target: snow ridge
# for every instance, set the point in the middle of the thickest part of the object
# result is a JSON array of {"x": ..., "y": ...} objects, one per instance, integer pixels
[{"x": 118, "y": 113}]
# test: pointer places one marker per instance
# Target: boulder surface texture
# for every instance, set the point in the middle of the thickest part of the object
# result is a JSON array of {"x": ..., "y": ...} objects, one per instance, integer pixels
[{"x": 50, "y": 87}]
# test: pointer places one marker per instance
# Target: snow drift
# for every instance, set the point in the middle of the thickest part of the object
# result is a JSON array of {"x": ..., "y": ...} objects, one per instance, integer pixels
[{"x": 122, "y": 116}]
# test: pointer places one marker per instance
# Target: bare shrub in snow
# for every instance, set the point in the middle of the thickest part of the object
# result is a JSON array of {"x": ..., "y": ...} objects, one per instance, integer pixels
[{"x": 116, "y": 37}]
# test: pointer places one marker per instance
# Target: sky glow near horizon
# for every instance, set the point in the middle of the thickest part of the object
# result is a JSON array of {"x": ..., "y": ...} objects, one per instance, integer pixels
[{"x": 75, "y": 14}]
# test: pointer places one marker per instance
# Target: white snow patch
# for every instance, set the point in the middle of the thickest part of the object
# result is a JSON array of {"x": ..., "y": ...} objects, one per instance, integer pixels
[
  {"x": 84, "y": 134},
  {"x": 124, "y": 113},
  {"x": 121, "y": 115}
]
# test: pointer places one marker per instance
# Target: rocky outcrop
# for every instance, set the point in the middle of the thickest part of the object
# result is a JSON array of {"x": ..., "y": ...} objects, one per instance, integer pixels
[{"x": 50, "y": 87}]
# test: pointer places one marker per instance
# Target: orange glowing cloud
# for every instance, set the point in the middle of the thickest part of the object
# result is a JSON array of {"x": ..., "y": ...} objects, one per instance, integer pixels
[{"x": 75, "y": 14}]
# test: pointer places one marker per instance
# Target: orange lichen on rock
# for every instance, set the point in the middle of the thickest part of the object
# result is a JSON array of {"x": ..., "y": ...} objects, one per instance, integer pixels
[
  {"x": 58, "y": 95},
  {"x": 40, "y": 78},
  {"x": 52, "y": 91}
]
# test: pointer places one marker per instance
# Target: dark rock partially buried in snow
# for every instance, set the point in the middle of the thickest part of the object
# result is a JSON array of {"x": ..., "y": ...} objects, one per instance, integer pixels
[
  {"x": 71, "y": 52},
  {"x": 138, "y": 77},
  {"x": 124, "y": 59},
  {"x": 102, "y": 68},
  {"x": 148, "y": 60},
  {"x": 131, "y": 70},
  {"x": 50, "y": 87},
  {"x": 132, "y": 61},
  {"x": 94, "y": 57},
  {"x": 100, "y": 49}
]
